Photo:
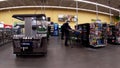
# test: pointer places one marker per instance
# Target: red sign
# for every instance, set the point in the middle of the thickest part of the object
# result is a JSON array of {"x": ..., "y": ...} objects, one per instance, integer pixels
[{"x": 7, "y": 26}]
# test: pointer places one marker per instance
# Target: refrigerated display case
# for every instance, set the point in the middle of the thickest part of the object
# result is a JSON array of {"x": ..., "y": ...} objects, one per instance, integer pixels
[{"x": 54, "y": 29}]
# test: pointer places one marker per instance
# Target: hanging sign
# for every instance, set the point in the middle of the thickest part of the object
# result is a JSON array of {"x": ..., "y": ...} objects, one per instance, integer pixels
[
  {"x": 1, "y": 25},
  {"x": 7, "y": 26}
]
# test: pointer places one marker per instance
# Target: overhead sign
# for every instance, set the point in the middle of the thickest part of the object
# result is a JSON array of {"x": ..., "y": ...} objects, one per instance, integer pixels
[
  {"x": 1, "y": 25},
  {"x": 7, "y": 26}
]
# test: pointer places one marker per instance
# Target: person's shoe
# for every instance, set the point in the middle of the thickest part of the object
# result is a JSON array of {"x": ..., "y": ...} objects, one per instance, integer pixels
[
  {"x": 48, "y": 39},
  {"x": 62, "y": 38},
  {"x": 67, "y": 45}
]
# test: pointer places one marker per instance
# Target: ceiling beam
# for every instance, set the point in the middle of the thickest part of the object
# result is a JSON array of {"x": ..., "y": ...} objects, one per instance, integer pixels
[
  {"x": 93, "y": 3},
  {"x": 58, "y": 7}
]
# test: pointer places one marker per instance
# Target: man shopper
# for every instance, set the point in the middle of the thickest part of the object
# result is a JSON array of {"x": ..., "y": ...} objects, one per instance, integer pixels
[
  {"x": 62, "y": 32},
  {"x": 66, "y": 32}
]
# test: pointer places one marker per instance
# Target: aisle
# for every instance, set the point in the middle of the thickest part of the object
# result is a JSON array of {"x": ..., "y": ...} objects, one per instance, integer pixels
[{"x": 60, "y": 56}]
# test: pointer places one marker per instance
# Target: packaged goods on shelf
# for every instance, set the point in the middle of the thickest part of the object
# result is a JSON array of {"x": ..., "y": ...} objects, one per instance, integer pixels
[
  {"x": 93, "y": 34},
  {"x": 54, "y": 29},
  {"x": 114, "y": 34}
]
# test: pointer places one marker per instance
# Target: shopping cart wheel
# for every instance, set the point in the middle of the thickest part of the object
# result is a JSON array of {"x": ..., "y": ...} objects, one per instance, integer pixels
[{"x": 17, "y": 55}]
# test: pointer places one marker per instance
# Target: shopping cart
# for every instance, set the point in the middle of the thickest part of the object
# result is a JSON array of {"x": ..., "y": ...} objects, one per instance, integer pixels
[{"x": 75, "y": 38}]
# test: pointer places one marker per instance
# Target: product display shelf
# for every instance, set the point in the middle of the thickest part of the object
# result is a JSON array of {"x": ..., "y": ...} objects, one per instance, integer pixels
[
  {"x": 54, "y": 29},
  {"x": 96, "y": 37},
  {"x": 113, "y": 34},
  {"x": 93, "y": 34},
  {"x": 5, "y": 35},
  {"x": 117, "y": 33},
  {"x": 34, "y": 40}
]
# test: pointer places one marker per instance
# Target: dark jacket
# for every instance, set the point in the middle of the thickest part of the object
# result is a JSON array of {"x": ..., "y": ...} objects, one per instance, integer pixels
[
  {"x": 66, "y": 28},
  {"x": 62, "y": 28}
]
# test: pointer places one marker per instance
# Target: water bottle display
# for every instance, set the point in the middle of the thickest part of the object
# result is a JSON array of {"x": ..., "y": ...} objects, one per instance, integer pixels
[{"x": 55, "y": 29}]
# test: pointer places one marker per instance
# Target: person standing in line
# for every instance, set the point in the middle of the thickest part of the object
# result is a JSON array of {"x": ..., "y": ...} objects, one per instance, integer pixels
[{"x": 66, "y": 32}]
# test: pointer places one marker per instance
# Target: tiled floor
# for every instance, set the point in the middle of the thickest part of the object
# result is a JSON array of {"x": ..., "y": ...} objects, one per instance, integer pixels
[{"x": 60, "y": 56}]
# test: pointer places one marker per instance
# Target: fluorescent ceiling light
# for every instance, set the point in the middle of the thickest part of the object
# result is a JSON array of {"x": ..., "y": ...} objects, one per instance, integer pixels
[
  {"x": 3, "y": 0},
  {"x": 80, "y": 0},
  {"x": 89, "y": 2}
]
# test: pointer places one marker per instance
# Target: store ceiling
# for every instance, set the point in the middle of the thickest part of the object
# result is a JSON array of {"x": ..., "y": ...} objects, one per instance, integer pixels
[{"x": 65, "y": 3}]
